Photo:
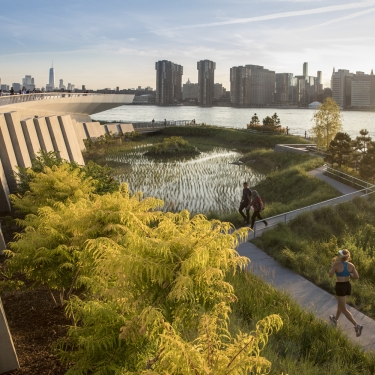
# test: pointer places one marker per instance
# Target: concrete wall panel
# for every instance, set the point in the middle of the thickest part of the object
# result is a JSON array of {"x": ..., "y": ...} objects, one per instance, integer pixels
[
  {"x": 44, "y": 136},
  {"x": 18, "y": 139},
  {"x": 80, "y": 133},
  {"x": 7, "y": 155},
  {"x": 57, "y": 137},
  {"x": 113, "y": 129},
  {"x": 8, "y": 356},
  {"x": 127, "y": 128},
  {"x": 71, "y": 140},
  {"x": 31, "y": 137},
  {"x": 3, "y": 245},
  {"x": 4, "y": 192},
  {"x": 94, "y": 129}
]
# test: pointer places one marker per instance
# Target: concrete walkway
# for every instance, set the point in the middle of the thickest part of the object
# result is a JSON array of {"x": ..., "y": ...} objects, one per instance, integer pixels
[
  {"x": 342, "y": 188},
  {"x": 307, "y": 294}
]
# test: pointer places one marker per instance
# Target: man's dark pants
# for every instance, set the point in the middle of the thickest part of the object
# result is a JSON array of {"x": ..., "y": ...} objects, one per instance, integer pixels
[{"x": 244, "y": 205}]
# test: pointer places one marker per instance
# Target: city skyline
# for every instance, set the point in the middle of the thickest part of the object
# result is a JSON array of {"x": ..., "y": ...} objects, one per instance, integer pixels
[{"x": 111, "y": 44}]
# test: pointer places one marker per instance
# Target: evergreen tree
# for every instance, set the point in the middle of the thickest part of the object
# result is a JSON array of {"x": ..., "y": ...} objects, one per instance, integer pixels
[
  {"x": 255, "y": 120},
  {"x": 328, "y": 122},
  {"x": 276, "y": 120},
  {"x": 340, "y": 149},
  {"x": 367, "y": 163},
  {"x": 363, "y": 140}
]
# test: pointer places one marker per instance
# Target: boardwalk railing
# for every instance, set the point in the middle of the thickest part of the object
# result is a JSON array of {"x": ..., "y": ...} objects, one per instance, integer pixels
[
  {"x": 14, "y": 99},
  {"x": 346, "y": 179},
  {"x": 368, "y": 189},
  {"x": 160, "y": 124}
]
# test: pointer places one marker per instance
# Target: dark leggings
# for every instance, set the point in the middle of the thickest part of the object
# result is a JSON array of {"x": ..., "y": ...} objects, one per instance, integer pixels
[
  {"x": 243, "y": 205},
  {"x": 255, "y": 215}
]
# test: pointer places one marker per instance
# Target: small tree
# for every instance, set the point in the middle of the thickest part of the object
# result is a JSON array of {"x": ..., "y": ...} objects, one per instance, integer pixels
[
  {"x": 276, "y": 120},
  {"x": 367, "y": 163},
  {"x": 268, "y": 121},
  {"x": 363, "y": 140},
  {"x": 255, "y": 120},
  {"x": 328, "y": 122},
  {"x": 340, "y": 149}
]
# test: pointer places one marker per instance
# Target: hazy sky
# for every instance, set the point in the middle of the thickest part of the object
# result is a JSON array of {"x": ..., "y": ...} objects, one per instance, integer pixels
[{"x": 116, "y": 43}]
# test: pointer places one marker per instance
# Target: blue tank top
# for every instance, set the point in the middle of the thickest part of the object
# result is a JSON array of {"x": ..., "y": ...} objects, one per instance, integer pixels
[{"x": 345, "y": 271}]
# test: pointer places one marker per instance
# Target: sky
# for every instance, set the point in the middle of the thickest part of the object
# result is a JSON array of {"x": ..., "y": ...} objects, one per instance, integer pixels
[{"x": 113, "y": 43}]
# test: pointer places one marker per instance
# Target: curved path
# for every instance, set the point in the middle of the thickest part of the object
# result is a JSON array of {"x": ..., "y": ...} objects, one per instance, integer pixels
[{"x": 310, "y": 296}]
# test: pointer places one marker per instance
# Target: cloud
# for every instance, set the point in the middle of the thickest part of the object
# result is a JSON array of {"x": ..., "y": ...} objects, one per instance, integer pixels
[
  {"x": 345, "y": 18},
  {"x": 329, "y": 9}
]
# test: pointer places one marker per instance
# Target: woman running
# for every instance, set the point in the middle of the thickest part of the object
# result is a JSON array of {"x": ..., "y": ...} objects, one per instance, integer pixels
[{"x": 344, "y": 270}]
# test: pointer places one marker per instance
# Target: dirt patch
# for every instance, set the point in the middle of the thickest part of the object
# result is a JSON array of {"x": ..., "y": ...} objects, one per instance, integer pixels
[{"x": 35, "y": 322}]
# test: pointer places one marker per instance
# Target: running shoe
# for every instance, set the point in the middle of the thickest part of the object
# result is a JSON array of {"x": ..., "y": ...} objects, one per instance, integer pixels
[
  {"x": 358, "y": 330},
  {"x": 333, "y": 319}
]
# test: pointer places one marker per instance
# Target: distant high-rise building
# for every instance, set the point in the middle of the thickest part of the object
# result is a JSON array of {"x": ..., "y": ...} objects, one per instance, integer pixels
[
  {"x": 262, "y": 85},
  {"x": 4, "y": 87},
  {"x": 286, "y": 88},
  {"x": 168, "y": 82},
  {"x": 305, "y": 69},
  {"x": 206, "y": 80},
  {"x": 240, "y": 85},
  {"x": 61, "y": 84},
  {"x": 16, "y": 86},
  {"x": 320, "y": 82},
  {"x": 363, "y": 90},
  {"x": 341, "y": 85},
  {"x": 83, "y": 88},
  {"x": 190, "y": 91},
  {"x": 50, "y": 86},
  {"x": 28, "y": 83},
  {"x": 307, "y": 87},
  {"x": 218, "y": 90}
]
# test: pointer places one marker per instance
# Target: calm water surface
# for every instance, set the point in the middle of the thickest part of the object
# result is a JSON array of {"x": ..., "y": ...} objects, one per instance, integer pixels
[
  {"x": 205, "y": 183},
  {"x": 298, "y": 120}
]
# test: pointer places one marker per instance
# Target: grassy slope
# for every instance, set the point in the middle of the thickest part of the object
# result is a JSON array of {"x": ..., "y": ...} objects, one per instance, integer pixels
[
  {"x": 308, "y": 243},
  {"x": 231, "y": 138},
  {"x": 304, "y": 345}
]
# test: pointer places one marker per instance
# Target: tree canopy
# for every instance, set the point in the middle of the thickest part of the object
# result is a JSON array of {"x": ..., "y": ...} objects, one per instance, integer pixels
[{"x": 328, "y": 122}]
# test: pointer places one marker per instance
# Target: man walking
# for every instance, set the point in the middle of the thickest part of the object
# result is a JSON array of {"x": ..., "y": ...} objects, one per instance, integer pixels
[{"x": 245, "y": 203}]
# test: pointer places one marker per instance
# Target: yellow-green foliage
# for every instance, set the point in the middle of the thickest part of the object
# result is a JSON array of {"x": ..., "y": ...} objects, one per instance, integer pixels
[{"x": 143, "y": 287}]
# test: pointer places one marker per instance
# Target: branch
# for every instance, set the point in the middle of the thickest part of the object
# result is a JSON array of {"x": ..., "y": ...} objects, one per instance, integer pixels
[{"x": 151, "y": 362}]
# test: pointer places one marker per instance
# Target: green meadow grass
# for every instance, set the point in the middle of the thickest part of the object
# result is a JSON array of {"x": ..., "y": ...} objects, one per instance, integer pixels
[
  {"x": 305, "y": 345},
  {"x": 308, "y": 244}
]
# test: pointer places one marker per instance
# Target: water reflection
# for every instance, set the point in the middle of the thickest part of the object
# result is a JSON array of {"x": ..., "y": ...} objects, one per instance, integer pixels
[{"x": 205, "y": 183}]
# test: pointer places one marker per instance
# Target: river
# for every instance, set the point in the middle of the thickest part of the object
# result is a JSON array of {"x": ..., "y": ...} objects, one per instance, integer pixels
[{"x": 297, "y": 120}]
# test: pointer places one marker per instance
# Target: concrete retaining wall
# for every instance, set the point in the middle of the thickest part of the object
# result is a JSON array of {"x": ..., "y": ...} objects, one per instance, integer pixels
[
  {"x": 2, "y": 244},
  {"x": 8, "y": 356},
  {"x": 127, "y": 128},
  {"x": 7, "y": 154},
  {"x": 57, "y": 137},
  {"x": 44, "y": 136},
  {"x": 4, "y": 193},
  {"x": 71, "y": 140},
  {"x": 112, "y": 129},
  {"x": 18, "y": 139},
  {"x": 80, "y": 133},
  {"x": 31, "y": 137},
  {"x": 94, "y": 129}
]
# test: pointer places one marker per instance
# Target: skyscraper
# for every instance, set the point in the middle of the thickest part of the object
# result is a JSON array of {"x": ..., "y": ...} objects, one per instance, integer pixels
[
  {"x": 305, "y": 69},
  {"x": 262, "y": 85},
  {"x": 51, "y": 82},
  {"x": 206, "y": 80},
  {"x": 286, "y": 88},
  {"x": 168, "y": 82},
  {"x": 240, "y": 85},
  {"x": 341, "y": 84},
  {"x": 363, "y": 90}
]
